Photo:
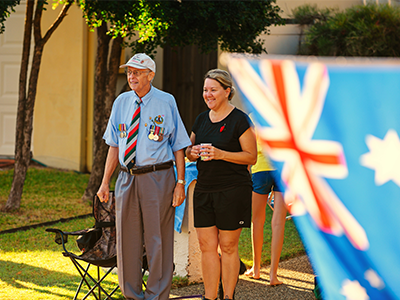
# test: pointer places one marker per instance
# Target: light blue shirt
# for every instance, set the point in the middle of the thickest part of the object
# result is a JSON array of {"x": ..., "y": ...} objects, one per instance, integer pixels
[{"x": 159, "y": 109}]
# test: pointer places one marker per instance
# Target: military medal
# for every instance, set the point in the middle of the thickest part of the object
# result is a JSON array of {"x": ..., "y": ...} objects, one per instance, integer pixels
[
  {"x": 122, "y": 129},
  {"x": 156, "y": 137},
  {"x": 159, "y": 120},
  {"x": 151, "y": 135},
  {"x": 161, "y": 134},
  {"x": 156, "y": 132}
]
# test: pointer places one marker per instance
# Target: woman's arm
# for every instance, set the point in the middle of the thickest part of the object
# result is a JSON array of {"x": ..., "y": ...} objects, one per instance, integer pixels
[{"x": 193, "y": 152}]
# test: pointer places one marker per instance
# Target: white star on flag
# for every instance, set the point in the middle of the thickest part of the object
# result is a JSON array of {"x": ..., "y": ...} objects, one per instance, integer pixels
[
  {"x": 383, "y": 157},
  {"x": 352, "y": 290},
  {"x": 374, "y": 279}
]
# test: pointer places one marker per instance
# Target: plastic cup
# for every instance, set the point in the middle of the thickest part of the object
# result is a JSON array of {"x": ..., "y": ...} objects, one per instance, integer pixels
[{"x": 203, "y": 155}]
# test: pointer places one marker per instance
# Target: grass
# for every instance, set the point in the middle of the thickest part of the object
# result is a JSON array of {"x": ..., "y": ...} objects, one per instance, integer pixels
[
  {"x": 31, "y": 263},
  {"x": 48, "y": 195},
  {"x": 32, "y": 266},
  {"x": 292, "y": 245}
]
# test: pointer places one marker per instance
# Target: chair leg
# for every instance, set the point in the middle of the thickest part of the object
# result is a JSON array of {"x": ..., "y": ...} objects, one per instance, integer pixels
[
  {"x": 83, "y": 275},
  {"x": 98, "y": 278},
  {"x": 96, "y": 283},
  {"x": 144, "y": 283}
]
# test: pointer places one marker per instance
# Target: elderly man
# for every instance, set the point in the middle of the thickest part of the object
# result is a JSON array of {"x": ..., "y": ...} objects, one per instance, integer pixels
[{"x": 145, "y": 134}]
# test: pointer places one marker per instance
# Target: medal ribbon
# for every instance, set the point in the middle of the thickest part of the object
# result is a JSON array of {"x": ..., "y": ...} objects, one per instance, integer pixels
[
  {"x": 122, "y": 127},
  {"x": 130, "y": 152},
  {"x": 157, "y": 130}
]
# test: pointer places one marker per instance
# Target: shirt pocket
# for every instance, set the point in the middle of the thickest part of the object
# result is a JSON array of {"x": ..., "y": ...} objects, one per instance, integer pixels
[{"x": 157, "y": 134}]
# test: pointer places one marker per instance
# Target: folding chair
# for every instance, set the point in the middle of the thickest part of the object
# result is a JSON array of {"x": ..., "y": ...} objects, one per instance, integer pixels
[{"x": 98, "y": 248}]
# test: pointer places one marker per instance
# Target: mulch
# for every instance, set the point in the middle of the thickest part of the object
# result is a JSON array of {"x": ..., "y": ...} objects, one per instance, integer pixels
[
  {"x": 297, "y": 276},
  {"x": 6, "y": 163}
]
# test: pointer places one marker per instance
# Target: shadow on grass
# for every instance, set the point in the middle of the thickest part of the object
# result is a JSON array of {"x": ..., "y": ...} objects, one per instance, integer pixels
[{"x": 22, "y": 276}]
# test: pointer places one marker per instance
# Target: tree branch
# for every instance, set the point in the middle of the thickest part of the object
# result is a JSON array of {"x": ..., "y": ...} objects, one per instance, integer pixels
[
  {"x": 57, "y": 22},
  {"x": 26, "y": 49},
  {"x": 37, "y": 29}
]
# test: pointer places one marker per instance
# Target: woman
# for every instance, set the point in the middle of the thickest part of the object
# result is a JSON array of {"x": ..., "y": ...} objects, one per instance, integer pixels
[
  {"x": 222, "y": 197},
  {"x": 264, "y": 181}
]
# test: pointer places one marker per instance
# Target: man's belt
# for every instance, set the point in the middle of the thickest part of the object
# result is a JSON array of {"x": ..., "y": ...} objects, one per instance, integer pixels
[{"x": 148, "y": 168}]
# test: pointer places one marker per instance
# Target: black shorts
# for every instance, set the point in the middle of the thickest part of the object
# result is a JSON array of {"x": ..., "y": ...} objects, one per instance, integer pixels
[{"x": 227, "y": 210}]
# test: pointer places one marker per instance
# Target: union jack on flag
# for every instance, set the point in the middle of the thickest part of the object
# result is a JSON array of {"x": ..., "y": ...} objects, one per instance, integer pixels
[{"x": 331, "y": 130}]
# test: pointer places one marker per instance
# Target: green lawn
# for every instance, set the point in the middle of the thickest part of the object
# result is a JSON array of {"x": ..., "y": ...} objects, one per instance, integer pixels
[
  {"x": 33, "y": 267},
  {"x": 48, "y": 195},
  {"x": 31, "y": 264},
  {"x": 292, "y": 245}
]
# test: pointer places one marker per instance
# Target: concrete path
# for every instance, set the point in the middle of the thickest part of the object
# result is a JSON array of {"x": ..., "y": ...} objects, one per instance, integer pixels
[{"x": 296, "y": 274}]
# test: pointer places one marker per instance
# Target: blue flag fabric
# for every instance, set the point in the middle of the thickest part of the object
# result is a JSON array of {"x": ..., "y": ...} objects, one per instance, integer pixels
[{"x": 331, "y": 127}]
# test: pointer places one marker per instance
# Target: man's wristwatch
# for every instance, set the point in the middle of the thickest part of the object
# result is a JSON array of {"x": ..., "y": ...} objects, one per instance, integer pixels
[{"x": 181, "y": 181}]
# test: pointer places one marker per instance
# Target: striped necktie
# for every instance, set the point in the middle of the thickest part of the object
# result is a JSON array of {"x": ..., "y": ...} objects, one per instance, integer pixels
[{"x": 130, "y": 152}]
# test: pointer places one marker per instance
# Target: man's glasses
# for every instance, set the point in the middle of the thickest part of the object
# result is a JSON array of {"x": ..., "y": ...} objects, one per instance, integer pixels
[{"x": 135, "y": 73}]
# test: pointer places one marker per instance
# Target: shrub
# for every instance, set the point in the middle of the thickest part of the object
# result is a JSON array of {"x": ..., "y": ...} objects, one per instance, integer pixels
[
  {"x": 309, "y": 14},
  {"x": 371, "y": 30}
]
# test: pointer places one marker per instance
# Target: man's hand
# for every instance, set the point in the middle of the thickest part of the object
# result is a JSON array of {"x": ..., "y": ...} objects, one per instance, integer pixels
[
  {"x": 179, "y": 195},
  {"x": 103, "y": 193}
]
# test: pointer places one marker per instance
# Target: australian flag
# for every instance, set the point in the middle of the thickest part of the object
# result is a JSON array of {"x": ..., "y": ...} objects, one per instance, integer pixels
[{"x": 332, "y": 129}]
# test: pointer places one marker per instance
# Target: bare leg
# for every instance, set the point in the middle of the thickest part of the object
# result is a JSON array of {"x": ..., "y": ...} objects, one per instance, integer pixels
[
  {"x": 259, "y": 203},
  {"x": 278, "y": 231},
  {"x": 230, "y": 263},
  {"x": 210, "y": 261}
]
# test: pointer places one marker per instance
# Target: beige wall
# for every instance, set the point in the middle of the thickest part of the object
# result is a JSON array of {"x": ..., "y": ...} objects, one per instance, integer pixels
[
  {"x": 10, "y": 65},
  {"x": 59, "y": 136},
  {"x": 288, "y": 5},
  {"x": 91, "y": 56}
]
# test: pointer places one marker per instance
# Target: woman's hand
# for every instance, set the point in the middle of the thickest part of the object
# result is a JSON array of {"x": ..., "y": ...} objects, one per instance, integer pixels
[
  {"x": 209, "y": 152},
  {"x": 248, "y": 155},
  {"x": 193, "y": 152}
]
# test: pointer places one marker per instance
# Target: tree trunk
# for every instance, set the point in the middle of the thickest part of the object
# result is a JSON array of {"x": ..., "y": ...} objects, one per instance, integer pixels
[
  {"x": 26, "y": 100},
  {"x": 105, "y": 88},
  {"x": 21, "y": 166}
]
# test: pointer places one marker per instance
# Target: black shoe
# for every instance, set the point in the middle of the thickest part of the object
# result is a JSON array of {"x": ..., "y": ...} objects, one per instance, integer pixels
[
  {"x": 204, "y": 298},
  {"x": 221, "y": 292},
  {"x": 242, "y": 269}
]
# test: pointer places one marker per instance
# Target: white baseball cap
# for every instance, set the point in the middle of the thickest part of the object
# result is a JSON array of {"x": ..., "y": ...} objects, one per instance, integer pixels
[{"x": 140, "y": 61}]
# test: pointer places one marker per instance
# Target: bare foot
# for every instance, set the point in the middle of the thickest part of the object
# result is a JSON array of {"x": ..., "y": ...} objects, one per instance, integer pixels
[
  {"x": 274, "y": 281},
  {"x": 251, "y": 273}
]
